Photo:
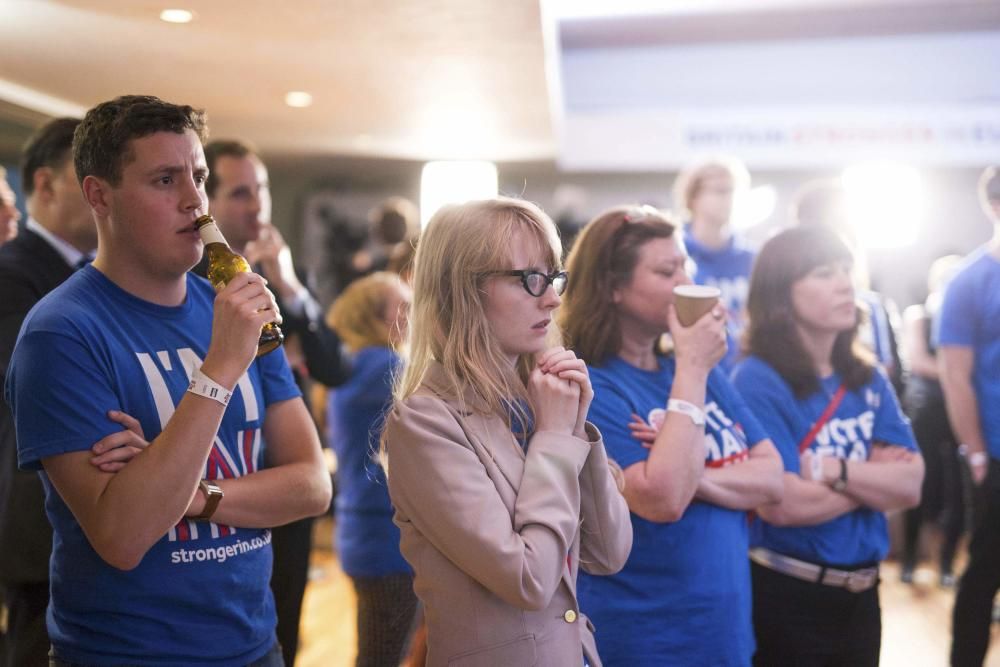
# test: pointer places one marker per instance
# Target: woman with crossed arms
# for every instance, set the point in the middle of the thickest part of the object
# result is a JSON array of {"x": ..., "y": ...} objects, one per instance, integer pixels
[
  {"x": 848, "y": 452},
  {"x": 502, "y": 489},
  {"x": 683, "y": 598}
]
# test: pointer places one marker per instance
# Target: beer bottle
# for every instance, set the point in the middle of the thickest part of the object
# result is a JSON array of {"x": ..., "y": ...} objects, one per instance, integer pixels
[{"x": 223, "y": 265}]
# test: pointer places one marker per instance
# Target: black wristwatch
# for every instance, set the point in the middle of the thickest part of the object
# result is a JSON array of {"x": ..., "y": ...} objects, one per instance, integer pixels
[
  {"x": 840, "y": 483},
  {"x": 213, "y": 494}
]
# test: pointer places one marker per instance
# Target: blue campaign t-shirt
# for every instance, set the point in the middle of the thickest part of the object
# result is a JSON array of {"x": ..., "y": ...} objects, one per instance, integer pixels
[
  {"x": 367, "y": 539},
  {"x": 200, "y": 595},
  {"x": 970, "y": 317},
  {"x": 683, "y": 597},
  {"x": 727, "y": 268},
  {"x": 865, "y": 416}
]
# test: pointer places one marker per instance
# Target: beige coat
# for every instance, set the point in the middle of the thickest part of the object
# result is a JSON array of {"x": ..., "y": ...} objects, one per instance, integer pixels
[{"x": 489, "y": 531}]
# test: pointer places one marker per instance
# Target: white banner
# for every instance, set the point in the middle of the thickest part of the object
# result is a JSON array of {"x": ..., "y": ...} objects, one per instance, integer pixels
[{"x": 781, "y": 137}]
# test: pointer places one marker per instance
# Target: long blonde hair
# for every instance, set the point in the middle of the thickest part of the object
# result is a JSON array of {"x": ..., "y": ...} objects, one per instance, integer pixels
[
  {"x": 358, "y": 314},
  {"x": 460, "y": 246}
]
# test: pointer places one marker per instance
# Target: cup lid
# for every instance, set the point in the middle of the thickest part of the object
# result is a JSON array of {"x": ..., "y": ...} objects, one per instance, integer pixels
[{"x": 698, "y": 291}]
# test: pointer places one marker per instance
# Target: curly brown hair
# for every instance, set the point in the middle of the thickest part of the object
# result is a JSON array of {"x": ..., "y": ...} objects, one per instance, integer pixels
[
  {"x": 221, "y": 148},
  {"x": 102, "y": 141}
]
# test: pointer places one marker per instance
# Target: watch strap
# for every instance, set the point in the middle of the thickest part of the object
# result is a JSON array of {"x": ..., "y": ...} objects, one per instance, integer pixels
[
  {"x": 840, "y": 483},
  {"x": 213, "y": 494}
]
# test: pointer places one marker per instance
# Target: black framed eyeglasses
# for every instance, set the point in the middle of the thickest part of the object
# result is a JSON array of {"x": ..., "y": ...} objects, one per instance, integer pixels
[{"x": 535, "y": 282}]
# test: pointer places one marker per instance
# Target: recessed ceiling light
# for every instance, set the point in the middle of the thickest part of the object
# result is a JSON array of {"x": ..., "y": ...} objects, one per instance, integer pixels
[
  {"x": 176, "y": 16},
  {"x": 298, "y": 98}
]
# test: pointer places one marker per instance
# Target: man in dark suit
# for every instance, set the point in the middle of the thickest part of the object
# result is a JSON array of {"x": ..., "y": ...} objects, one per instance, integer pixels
[
  {"x": 240, "y": 201},
  {"x": 59, "y": 235}
]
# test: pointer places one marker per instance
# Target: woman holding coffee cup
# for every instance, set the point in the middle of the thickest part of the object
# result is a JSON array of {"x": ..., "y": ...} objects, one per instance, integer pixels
[
  {"x": 848, "y": 452},
  {"x": 694, "y": 457}
]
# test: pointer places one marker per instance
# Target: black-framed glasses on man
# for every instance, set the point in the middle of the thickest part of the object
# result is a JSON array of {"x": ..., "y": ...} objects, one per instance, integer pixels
[{"x": 535, "y": 282}]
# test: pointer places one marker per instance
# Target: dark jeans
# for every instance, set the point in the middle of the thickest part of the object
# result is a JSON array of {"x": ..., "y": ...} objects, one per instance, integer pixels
[
  {"x": 802, "y": 624},
  {"x": 944, "y": 494},
  {"x": 387, "y": 609},
  {"x": 290, "y": 545},
  {"x": 26, "y": 643},
  {"x": 270, "y": 659},
  {"x": 981, "y": 580}
]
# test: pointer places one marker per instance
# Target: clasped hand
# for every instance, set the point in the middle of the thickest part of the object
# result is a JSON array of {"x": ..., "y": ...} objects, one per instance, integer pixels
[{"x": 560, "y": 391}]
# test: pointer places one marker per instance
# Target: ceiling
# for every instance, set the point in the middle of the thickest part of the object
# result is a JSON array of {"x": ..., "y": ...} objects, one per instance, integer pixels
[
  {"x": 408, "y": 79},
  {"x": 411, "y": 79}
]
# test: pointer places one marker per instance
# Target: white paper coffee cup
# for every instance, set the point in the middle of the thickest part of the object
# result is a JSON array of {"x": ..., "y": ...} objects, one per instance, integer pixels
[{"x": 693, "y": 301}]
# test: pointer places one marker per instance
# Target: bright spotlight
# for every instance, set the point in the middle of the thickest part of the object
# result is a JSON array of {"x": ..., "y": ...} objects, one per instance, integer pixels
[
  {"x": 452, "y": 182},
  {"x": 753, "y": 206},
  {"x": 176, "y": 16},
  {"x": 885, "y": 204},
  {"x": 298, "y": 99}
]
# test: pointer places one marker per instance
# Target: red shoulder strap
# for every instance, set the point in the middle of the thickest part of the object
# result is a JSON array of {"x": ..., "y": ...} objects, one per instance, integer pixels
[{"x": 823, "y": 418}]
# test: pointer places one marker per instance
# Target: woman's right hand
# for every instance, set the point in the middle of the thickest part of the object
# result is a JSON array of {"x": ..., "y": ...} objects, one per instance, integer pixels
[
  {"x": 703, "y": 344},
  {"x": 556, "y": 401}
]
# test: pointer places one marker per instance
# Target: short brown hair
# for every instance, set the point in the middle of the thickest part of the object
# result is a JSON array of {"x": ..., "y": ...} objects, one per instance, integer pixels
[
  {"x": 395, "y": 220},
  {"x": 603, "y": 259},
  {"x": 772, "y": 334},
  {"x": 102, "y": 141},
  {"x": 50, "y": 146},
  {"x": 221, "y": 148}
]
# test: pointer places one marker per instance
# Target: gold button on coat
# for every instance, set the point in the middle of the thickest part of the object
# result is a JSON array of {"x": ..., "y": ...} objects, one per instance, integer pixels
[{"x": 569, "y": 616}]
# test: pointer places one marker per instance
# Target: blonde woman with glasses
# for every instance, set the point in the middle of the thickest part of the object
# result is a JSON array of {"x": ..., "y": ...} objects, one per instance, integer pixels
[{"x": 502, "y": 489}]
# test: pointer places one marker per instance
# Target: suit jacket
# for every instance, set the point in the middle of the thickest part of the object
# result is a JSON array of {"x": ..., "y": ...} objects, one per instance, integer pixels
[
  {"x": 496, "y": 536},
  {"x": 30, "y": 268}
]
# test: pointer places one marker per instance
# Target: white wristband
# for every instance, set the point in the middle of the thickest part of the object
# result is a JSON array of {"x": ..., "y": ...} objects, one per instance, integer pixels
[
  {"x": 685, "y": 408},
  {"x": 202, "y": 385},
  {"x": 974, "y": 458}
]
